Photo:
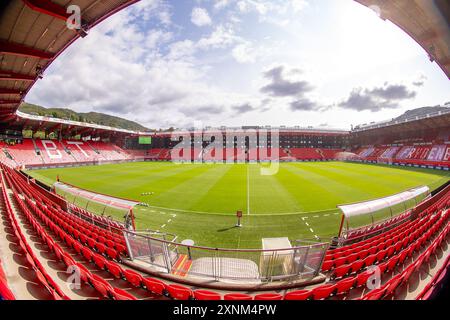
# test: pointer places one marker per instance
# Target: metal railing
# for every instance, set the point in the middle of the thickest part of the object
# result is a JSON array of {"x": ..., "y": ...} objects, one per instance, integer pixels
[{"x": 302, "y": 261}]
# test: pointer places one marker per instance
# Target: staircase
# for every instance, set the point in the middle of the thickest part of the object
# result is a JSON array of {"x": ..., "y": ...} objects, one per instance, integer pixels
[{"x": 320, "y": 152}]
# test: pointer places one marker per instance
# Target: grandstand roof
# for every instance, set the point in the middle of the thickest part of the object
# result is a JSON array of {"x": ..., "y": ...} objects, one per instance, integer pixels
[
  {"x": 427, "y": 22},
  {"x": 33, "y": 33},
  {"x": 69, "y": 127},
  {"x": 432, "y": 121}
]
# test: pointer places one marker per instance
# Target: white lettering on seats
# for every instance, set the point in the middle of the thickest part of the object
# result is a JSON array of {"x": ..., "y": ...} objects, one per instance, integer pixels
[
  {"x": 50, "y": 146},
  {"x": 78, "y": 144}
]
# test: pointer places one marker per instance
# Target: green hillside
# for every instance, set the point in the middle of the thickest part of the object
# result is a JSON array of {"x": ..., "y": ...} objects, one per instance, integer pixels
[{"x": 90, "y": 117}]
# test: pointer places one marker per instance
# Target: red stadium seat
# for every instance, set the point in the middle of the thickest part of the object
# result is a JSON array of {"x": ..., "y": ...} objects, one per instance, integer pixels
[
  {"x": 101, "y": 239},
  {"x": 327, "y": 265},
  {"x": 112, "y": 253},
  {"x": 298, "y": 295},
  {"x": 99, "y": 261},
  {"x": 154, "y": 285},
  {"x": 68, "y": 260},
  {"x": 119, "y": 294},
  {"x": 370, "y": 260},
  {"x": 402, "y": 256},
  {"x": 381, "y": 255},
  {"x": 268, "y": 296},
  {"x": 361, "y": 279},
  {"x": 390, "y": 251},
  {"x": 237, "y": 296},
  {"x": 87, "y": 253},
  {"x": 341, "y": 271},
  {"x": 409, "y": 271},
  {"x": 58, "y": 252},
  {"x": 101, "y": 248},
  {"x": 83, "y": 238},
  {"x": 393, "y": 284},
  {"x": 343, "y": 286},
  {"x": 323, "y": 291},
  {"x": 85, "y": 274},
  {"x": 363, "y": 254},
  {"x": 356, "y": 266},
  {"x": 375, "y": 294},
  {"x": 121, "y": 249},
  {"x": 114, "y": 269},
  {"x": 78, "y": 247},
  {"x": 179, "y": 292},
  {"x": 206, "y": 295},
  {"x": 392, "y": 263},
  {"x": 383, "y": 267},
  {"x": 340, "y": 262},
  {"x": 101, "y": 285},
  {"x": 133, "y": 277},
  {"x": 352, "y": 258}
]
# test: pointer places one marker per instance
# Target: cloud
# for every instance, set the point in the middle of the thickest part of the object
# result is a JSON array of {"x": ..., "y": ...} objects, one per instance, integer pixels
[
  {"x": 304, "y": 105},
  {"x": 210, "y": 109},
  {"x": 387, "y": 97},
  {"x": 393, "y": 92},
  {"x": 298, "y": 5},
  {"x": 280, "y": 86},
  {"x": 140, "y": 74},
  {"x": 151, "y": 9},
  {"x": 243, "y": 108},
  {"x": 244, "y": 53},
  {"x": 220, "y": 4},
  {"x": 420, "y": 81},
  {"x": 200, "y": 17}
]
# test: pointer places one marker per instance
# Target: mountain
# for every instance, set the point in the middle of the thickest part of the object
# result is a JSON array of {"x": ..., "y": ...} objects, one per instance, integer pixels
[
  {"x": 90, "y": 117},
  {"x": 421, "y": 112}
]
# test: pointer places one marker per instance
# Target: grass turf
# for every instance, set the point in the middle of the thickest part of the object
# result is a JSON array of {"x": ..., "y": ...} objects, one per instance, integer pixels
[{"x": 199, "y": 201}]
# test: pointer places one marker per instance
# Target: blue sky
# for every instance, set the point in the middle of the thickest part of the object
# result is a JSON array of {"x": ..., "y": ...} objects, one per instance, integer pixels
[{"x": 328, "y": 63}]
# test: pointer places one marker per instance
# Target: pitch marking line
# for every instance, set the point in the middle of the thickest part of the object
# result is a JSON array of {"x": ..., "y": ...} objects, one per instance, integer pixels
[
  {"x": 227, "y": 213},
  {"x": 248, "y": 191},
  {"x": 310, "y": 229}
]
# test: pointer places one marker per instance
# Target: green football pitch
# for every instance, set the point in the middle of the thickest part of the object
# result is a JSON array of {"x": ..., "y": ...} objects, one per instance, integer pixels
[{"x": 199, "y": 201}]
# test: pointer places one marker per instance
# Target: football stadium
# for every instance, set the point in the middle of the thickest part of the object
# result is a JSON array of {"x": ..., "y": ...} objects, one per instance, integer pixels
[{"x": 95, "y": 210}]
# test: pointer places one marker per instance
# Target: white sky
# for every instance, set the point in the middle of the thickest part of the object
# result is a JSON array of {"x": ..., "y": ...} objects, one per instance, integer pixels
[{"x": 324, "y": 63}]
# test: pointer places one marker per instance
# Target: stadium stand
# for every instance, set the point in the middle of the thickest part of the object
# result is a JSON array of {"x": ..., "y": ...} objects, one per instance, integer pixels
[
  {"x": 5, "y": 291},
  {"x": 435, "y": 155},
  {"x": 36, "y": 152}
]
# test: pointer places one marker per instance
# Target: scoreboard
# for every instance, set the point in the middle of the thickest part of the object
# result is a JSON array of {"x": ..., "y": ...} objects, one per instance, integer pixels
[{"x": 145, "y": 140}]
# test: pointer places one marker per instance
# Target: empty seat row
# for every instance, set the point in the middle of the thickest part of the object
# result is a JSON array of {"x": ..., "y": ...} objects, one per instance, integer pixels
[
  {"x": 388, "y": 289},
  {"x": 41, "y": 274},
  {"x": 435, "y": 203},
  {"x": 81, "y": 227}
]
